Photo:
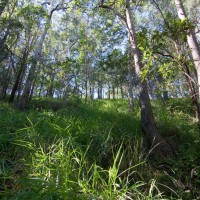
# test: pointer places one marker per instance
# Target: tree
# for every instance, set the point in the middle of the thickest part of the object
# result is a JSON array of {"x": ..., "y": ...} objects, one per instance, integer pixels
[
  {"x": 32, "y": 72},
  {"x": 191, "y": 39},
  {"x": 147, "y": 120}
]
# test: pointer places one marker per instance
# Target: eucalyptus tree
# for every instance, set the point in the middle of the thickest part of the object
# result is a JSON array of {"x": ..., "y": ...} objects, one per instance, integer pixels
[
  {"x": 168, "y": 51},
  {"x": 37, "y": 53},
  {"x": 10, "y": 31},
  {"x": 123, "y": 10},
  {"x": 9, "y": 28},
  {"x": 30, "y": 16},
  {"x": 191, "y": 39}
]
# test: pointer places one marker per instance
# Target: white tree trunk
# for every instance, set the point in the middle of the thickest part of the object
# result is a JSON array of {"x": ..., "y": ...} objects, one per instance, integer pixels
[
  {"x": 192, "y": 41},
  {"x": 32, "y": 71},
  {"x": 36, "y": 56}
]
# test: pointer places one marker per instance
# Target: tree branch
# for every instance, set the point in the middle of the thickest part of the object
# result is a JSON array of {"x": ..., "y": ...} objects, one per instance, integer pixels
[
  {"x": 109, "y": 7},
  {"x": 157, "y": 6},
  {"x": 162, "y": 54},
  {"x": 174, "y": 59}
]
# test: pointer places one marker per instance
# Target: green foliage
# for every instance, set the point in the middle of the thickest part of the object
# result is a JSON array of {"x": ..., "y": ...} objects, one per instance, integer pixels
[
  {"x": 176, "y": 25},
  {"x": 93, "y": 151},
  {"x": 32, "y": 15}
]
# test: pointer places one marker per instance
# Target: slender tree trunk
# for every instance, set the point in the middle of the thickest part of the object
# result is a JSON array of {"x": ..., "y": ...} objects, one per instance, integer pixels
[
  {"x": 51, "y": 87},
  {"x": 113, "y": 91},
  {"x": 22, "y": 68},
  {"x": 86, "y": 90},
  {"x": 131, "y": 102},
  {"x": 192, "y": 41},
  {"x": 40, "y": 90},
  {"x": 109, "y": 88},
  {"x": 100, "y": 90},
  {"x": 191, "y": 84},
  {"x": 192, "y": 91},
  {"x": 130, "y": 82},
  {"x": 32, "y": 90},
  {"x": 147, "y": 120},
  {"x": 5, "y": 84},
  {"x": 32, "y": 72},
  {"x": 122, "y": 92}
]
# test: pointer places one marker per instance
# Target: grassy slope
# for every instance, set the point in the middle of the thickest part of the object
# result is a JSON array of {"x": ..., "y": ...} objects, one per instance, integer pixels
[{"x": 60, "y": 150}]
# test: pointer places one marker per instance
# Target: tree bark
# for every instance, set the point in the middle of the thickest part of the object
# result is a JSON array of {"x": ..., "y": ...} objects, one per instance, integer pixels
[
  {"x": 122, "y": 92},
  {"x": 5, "y": 84},
  {"x": 192, "y": 41},
  {"x": 113, "y": 91},
  {"x": 147, "y": 120},
  {"x": 20, "y": 72},
  {"x": 130, "y": 83},
  {"x": 32, "y": 72},
  {"x": 192, "y": 91},
  {"x": 109, "y": 88},
  {"x": 50, "y": 89}
]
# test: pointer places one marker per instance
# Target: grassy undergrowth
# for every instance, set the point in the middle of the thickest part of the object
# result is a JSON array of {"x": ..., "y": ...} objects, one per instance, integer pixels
[{"x": 69, "y": 150}]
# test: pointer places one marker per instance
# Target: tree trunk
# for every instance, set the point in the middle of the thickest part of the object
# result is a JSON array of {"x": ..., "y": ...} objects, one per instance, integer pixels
[
  {"x": 51, "y": 86},
  {"x": 109, "y": 88},
  {"x": 100, "y": 90},
  {"x": 192, "y": 91},
  {"x": 5, "y": 84},
  {"x": 147, "y": 120},
  {"x": 22, "y": 68},
  {"x": 32, "y": 90},
  {"x": 130, "y": 82},
  {"x": 192, "y": 41},
  {"x": 131, "y": 102},
  {"x": 32, "y": 72},
  {"x": 113, "y": 91},
  {"x": 122, "y": 92}
]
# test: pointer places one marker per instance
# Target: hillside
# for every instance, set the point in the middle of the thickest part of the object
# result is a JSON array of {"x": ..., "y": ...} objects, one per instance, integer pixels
[{"x": 72, "y": 150}]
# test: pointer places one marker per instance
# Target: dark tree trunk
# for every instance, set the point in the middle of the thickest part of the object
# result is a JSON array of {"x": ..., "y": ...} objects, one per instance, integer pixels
[
  {"x": 113, "y": 91},
  {"x": 22, "y": 69},
  {"x": 100, "y": 90},
  {"x": 147, "y": 120},
  {"x": 32, "y": 90},
  {"x": 6, "y": 81},
  {"x": 51, "y": 87},
  {"x": 122, "y": 92},
  {"x": 109, "y": 88},
  {"x": 86, "y": 90}
]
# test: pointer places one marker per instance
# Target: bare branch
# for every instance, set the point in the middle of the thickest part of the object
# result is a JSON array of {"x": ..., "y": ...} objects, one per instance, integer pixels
[
  {"x": 48, "y": 3},
  {"x": 57, "y": 8},
  {"x": 157, "y": 6}
]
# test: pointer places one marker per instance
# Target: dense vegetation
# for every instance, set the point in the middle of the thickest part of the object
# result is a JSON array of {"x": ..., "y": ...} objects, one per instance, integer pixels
[
  {"x": 99, "y": 99},
  {"x": 69, "y": 150}
]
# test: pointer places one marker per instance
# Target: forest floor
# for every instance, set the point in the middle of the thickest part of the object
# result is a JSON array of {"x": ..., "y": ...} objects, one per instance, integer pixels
[{"x": 71, "y": 150}]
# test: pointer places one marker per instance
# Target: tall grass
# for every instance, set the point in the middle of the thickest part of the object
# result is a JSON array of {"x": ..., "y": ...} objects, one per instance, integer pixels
[{"x": 92, "y": 151}]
